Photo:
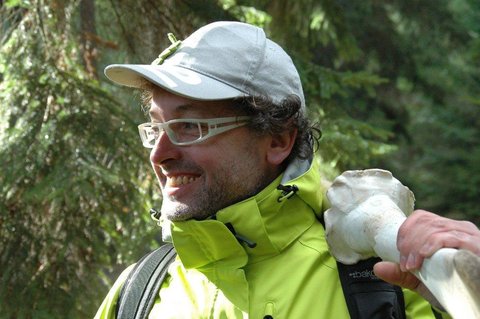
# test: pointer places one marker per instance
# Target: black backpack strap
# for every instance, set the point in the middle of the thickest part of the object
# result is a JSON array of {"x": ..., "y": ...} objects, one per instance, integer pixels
[
  {"x": 366, "y": 295},
  {"x": 139, "y": 290}
]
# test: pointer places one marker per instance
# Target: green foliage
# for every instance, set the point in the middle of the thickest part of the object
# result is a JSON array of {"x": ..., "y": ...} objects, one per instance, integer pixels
[{"x": 9, "y": 4}]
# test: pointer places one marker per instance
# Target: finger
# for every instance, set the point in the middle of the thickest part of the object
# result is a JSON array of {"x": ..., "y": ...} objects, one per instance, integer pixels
[
  {"x": 411, "y": 238},
  {"x": 465, "y": 227},
  {"x": 452, "y": 239},
  {"x": 403, "y": 262},
  {"x": 414, "y": 261}
]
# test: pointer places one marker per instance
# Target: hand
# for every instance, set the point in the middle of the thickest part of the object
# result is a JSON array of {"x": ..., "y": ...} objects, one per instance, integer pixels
[
  {"x": 423, "y": 233},
  {"x": 419, "y": 237}
]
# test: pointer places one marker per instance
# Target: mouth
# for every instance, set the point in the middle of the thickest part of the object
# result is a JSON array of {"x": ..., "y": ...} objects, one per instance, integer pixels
[{"x": 180, "y": 180}]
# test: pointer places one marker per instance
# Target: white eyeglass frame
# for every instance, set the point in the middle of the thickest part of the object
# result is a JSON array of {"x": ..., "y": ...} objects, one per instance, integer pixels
[{"x": 215, "y": 127}]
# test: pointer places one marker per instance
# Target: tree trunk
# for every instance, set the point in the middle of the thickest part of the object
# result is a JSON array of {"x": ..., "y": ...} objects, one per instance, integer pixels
[{"x": 89, "y": 34}]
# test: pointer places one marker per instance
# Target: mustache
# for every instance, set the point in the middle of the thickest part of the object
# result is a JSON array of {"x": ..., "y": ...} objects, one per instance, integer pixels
[{"x": 170, "y": 168}]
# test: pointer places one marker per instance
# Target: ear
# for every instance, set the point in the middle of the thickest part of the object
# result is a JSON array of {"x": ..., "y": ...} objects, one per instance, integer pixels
[{"x": 280, "y": 146}]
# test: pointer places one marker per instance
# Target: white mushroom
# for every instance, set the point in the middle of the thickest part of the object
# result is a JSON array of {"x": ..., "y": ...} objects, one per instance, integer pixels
[{"x": 367, "y": 209}]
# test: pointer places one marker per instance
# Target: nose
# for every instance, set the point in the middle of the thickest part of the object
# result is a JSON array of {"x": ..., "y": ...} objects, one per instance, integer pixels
[{"x": 164, "y": 150}]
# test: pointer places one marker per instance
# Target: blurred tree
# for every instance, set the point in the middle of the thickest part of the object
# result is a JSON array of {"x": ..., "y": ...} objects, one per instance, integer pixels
[{"x": 435, "y": 85}]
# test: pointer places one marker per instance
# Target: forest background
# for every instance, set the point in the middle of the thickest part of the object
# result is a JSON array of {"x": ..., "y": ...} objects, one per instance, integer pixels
[{"x": 393, "y": 84}]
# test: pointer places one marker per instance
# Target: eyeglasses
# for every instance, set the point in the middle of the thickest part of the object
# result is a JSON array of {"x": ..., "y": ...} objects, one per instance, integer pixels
[{"x": 189, "y": 131}]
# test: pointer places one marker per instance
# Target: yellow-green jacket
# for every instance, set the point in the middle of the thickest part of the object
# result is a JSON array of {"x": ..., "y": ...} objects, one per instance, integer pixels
[{"x": 289, "y": 274}]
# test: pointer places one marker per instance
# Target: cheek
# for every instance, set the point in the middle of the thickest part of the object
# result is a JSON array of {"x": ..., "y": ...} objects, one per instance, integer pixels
[
  {"x": 217, "y": 160},
  {"x": 224, "y": 153},
  {"x": 213, "y": 159}
]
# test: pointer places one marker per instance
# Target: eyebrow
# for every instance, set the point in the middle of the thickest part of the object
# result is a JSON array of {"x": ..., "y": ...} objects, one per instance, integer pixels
[
  {"x": 182, "y": 109},
  {"x": 179, "y": 109}
]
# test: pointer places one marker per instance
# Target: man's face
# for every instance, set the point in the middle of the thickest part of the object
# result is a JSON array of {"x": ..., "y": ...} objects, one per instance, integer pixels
[{"x": 197, "y": 180}]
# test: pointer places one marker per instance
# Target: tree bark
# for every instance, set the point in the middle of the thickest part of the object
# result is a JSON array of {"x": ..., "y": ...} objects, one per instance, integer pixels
[{"x": 88, "y": 31}]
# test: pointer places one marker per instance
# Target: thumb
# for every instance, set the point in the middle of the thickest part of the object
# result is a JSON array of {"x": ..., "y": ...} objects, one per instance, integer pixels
[{"x": 390, "y": 272}]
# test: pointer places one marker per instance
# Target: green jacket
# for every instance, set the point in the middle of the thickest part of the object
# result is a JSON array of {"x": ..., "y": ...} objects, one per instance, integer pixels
[{"x": 289, "y": 274}]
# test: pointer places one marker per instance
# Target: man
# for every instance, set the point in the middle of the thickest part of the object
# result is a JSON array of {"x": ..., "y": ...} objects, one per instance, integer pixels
[{"x": 233, "y": 152}]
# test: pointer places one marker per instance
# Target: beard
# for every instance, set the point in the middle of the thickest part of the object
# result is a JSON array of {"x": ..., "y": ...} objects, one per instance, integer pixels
[{"x": 230, "y": 184}]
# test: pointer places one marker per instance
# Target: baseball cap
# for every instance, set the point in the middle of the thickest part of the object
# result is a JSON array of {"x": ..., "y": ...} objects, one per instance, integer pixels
[{"x": 221, "y": 60}]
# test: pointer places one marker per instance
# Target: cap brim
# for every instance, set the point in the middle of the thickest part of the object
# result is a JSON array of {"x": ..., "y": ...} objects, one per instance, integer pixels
[{"x": 178, "y": 80}]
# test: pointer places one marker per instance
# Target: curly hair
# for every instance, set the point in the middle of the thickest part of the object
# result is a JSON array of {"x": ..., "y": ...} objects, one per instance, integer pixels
[{"x": 270, "y": 118}]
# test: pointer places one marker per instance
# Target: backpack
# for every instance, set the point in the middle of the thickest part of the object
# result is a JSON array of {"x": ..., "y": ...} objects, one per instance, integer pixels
[{"x": 366, "y": 295}]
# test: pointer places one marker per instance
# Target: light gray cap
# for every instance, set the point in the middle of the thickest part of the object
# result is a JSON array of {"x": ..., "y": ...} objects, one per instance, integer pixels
[{"x": 221, "y": 60}]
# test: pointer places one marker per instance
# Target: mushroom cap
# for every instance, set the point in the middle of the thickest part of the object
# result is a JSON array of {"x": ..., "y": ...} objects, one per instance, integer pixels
[
  {"x": 357, "y": 214},
  {"x": 352, "y": 188}
]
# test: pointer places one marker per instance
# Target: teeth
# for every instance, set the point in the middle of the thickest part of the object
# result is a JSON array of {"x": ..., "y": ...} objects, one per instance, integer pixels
[{"x": 180, "y": 180}]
